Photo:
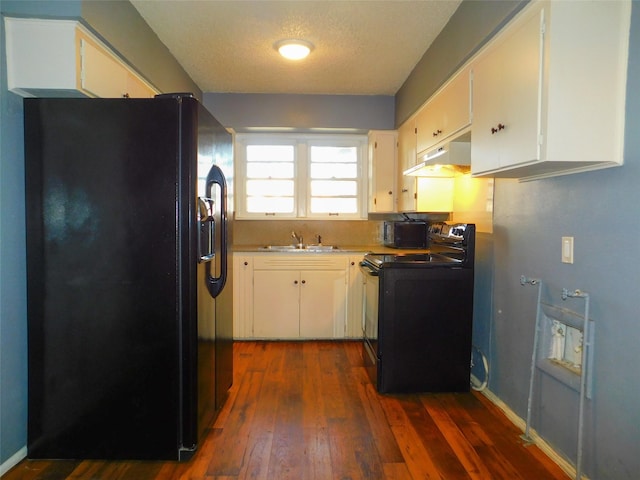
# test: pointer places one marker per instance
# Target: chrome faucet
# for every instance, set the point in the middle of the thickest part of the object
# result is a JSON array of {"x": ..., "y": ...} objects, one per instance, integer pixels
[{"x": 298, "y": 239}]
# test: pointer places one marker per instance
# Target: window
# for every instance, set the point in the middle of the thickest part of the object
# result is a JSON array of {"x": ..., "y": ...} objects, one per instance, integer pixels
[
  {"x": 270, "y": 178},
  {"x": 301, "y": 176}
]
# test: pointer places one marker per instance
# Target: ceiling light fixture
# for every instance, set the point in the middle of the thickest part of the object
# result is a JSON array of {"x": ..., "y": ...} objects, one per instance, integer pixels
[{"x": 294, "y": 49}]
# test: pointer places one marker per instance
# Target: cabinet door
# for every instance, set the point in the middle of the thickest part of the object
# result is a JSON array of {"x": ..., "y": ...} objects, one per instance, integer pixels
[
  {"x": 448, "y": 112},
  {"x": 101, "y": 75},
  {"x": 427, "y": 131},
  {"x": 242, "y": 296},
  {"x": 382, "y": 171},
  {"x": 276, "y": 304},
  {"x": 406, "y": 159},
  {"x": 507, "y": 85},
  {"x": 136, "y": 88},
  {"x": 355, "y": 297},
  {"x": 322, "y": 303},
  {"x": 104, "y": 76}
]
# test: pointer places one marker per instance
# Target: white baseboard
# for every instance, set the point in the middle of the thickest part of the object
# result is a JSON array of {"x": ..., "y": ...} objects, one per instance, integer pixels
[
  {"x": 558, "y": 459},
  {"x": 13, "y": 461}
]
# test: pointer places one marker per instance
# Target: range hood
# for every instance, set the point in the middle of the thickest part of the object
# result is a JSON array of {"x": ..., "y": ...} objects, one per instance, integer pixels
[{"x": 444, "y": 161}]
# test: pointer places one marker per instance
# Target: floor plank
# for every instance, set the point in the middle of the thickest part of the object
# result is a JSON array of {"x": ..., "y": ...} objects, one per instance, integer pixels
[{"x": 307, "y": 410}]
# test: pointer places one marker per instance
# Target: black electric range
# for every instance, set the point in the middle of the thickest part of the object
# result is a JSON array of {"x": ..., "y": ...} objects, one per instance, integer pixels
[
  {"x": 448, "y": 246},
  {"x": 417, "y": 320}
]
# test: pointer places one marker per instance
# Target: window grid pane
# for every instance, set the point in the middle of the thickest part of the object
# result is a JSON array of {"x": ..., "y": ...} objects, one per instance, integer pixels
[
  {"x": 270, "y": 188},
  {"x": 270, "y": 183},
  {"x": 330, "y": 191},
  {"x": 328, "y": 188},
  {"x": 324, "y": 154},
  {"x": 270, "y": 153},
  {"x": 269, "y": 205},
  {"x": 334, "y": 170},
  {"x": 270, "y": 170}
]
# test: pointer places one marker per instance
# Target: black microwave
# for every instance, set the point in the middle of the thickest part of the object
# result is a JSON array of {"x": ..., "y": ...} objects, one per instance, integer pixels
[{"x": 405, "y": 234}]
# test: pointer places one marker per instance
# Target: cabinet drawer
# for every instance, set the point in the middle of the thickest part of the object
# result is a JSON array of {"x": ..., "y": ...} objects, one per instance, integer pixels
[{"x": 299, "y": 261}]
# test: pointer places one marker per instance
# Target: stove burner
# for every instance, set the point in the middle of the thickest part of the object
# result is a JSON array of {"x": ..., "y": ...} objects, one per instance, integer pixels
[
  {"x": 409, "y": 260},
  {"x": 419, "y": 257}
]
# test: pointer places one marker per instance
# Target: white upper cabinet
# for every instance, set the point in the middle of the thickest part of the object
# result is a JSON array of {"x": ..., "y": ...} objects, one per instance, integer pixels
[
  {"x": 62, "y": 58},
  {"x": 549, "y": 92},
  {"x": 383, "y": 162},
  {"x": 506, "y": 90},
  {"x": 445, "y": 114},
  {"x": 406, "y": 159},
  {"x": 419, "y": 194}
]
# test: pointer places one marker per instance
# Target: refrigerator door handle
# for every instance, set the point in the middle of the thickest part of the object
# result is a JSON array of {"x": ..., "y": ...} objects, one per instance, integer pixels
[
  {"x": 206, "y": 229},
  {"x": 216, "y": 284}
]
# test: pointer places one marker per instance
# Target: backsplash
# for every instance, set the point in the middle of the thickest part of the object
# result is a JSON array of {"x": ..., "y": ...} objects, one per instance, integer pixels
[{"x": 333, "y": 232}]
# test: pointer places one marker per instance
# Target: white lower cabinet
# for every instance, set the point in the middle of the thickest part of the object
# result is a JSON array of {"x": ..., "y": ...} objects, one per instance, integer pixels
[
  {"x": 276, "y": 304},
  {"x": 323, "y": 298},
  {"x": 298, "y": 304},
  {"x": 280, "y": 296},
  {"x": 242, "y": 295},
  {"x": 354, "y": 303}
]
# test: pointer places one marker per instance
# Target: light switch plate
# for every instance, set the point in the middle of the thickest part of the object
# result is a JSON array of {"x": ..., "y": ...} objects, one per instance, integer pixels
[{"x": 567, "y": 249}]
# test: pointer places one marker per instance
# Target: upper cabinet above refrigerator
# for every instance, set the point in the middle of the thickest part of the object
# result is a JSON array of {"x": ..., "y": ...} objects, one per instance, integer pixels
[{"x": 84, "y": 66}]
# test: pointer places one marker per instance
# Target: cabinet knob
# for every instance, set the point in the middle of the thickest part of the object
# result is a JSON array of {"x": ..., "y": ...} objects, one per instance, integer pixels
[
  {"x": 246, "y": 263},
  {"x": 304, "y": 281},
  {"x": 353, "y": 263},
  {"x": 295, "y": 282},
  {"x": 498, "y": 128},
  {"x": 390, "y": 192}
]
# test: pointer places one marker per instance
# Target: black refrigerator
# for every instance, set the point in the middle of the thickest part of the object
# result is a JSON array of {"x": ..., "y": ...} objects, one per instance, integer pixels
[{"x": 128, "y": 284}]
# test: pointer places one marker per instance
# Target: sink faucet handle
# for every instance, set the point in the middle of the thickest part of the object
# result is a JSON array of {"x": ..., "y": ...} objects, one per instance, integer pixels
[{"x": 297, "y": 237}]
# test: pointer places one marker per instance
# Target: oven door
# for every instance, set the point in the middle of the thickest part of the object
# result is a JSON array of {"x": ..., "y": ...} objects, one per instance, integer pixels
[{"x": 371, "y": 291}]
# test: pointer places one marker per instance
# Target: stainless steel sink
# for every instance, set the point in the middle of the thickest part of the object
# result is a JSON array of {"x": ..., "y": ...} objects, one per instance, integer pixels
[
  {"x": 304, "y": 248},
  {"x": 320, "y": 248}
]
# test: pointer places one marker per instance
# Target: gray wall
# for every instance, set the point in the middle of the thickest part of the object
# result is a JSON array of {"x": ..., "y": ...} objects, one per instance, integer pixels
[
  {"x": 599, "y": 209},
  {"x": 121, "y": 26},
  {"x": 302, "y": 112}
]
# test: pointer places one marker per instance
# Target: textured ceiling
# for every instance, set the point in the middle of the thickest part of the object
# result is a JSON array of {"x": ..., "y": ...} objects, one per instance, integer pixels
[{"x": 361, "y": 47}]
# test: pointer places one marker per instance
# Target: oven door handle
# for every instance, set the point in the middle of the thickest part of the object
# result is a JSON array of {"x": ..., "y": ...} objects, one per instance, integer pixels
[{"x": 368, "y": 270}]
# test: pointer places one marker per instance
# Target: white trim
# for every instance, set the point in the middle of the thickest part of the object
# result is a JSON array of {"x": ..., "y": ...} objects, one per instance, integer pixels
[
  {"x": 12, "y": 461},
  {"x": 554, "y": 456}
]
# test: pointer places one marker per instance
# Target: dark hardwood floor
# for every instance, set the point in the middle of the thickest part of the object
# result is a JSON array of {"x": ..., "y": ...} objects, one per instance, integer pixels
[{"x": 306, "y": 410}]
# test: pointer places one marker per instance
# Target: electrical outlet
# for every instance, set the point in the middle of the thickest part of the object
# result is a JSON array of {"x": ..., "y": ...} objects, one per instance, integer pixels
[{"x": 567, "y": 249}]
